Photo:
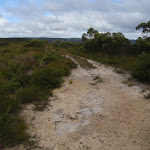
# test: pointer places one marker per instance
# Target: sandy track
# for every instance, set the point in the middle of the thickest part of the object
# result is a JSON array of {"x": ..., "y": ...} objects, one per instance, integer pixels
[{"x": 106, "y": 116}]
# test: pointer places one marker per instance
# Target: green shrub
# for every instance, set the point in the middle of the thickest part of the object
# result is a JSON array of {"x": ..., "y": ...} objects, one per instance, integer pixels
[
  {"x": 23, "y": 79},
  {"x": 142, "y": 45},
  {"x": 5, "y": 50},
  {"x": 9, "y": 104},
  {"x": 4, "y": 43},
  {"x": 48, "y": 77},
  {"x": 24, "y": 50},
  {"x": 1, "y": 76},
  {"x": 35, "y": 43},
  {"x": 71, "y": 64},
  {"x": 142, "y": 68},
  {"x": 13, "y": 70},
  {"x": 12, "y": 130},
  {"x": 40, "y": 106},
  {"x": 29, "y": 94},
  {"x": 48, "y": 58},
  {"x": 10, "y": 86}
]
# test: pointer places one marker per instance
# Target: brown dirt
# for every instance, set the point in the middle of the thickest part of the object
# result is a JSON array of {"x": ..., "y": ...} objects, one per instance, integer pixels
[{"x": 107, "y": 115}]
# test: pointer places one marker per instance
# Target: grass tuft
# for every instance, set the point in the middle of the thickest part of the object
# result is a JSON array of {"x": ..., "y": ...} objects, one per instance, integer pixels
[{"x": 83, "y": 62}]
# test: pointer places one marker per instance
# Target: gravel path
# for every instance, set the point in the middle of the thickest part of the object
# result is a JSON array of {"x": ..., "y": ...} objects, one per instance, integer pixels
[{"x": 93, "y": 114}]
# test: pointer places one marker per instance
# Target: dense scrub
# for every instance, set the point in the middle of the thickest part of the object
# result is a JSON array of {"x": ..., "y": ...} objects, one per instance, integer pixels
[
  {"x": 118, "y": 51},
  {"x": 115, "y": 44},
  {"x": 113, "y": 49},
  {"x": 142, "y": 68},
  {"x": 28, "y": 73}
]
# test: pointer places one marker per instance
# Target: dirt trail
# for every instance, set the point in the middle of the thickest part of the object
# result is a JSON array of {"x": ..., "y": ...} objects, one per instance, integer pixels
[{"x": 108, "y": 115}]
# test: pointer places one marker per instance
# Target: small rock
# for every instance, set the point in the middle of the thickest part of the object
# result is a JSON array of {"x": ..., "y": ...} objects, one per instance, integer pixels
[{"x": 73, "y": 117}]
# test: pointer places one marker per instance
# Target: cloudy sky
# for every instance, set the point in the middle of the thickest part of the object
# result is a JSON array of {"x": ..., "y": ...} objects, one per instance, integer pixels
[{"x": 70, "y": 18}]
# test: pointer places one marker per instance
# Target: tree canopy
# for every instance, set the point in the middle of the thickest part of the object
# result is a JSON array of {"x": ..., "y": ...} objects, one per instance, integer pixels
[
  {"x": 145, "y": 29},
  {"x": 89, "y": 35},
  {"x": 112, "y": 43}
]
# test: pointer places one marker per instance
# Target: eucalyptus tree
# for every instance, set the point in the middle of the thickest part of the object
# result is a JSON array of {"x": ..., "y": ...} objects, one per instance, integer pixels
[
  {"x": 145, "y": 29},
  {"x": 89, "y": 35}
]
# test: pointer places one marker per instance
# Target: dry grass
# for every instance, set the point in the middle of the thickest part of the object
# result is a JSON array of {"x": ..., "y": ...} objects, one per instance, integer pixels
[{"x": 83, "y": 62}]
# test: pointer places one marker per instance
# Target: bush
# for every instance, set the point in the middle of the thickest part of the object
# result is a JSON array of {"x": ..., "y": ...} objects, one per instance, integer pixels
[
  {"x": 35, "y": 43},
  {"x": 23, "y": 79},
  {"x": 4, "y": 43},
  {"x": 71, "y": 64},
  {"x": 29, "y": 94},
  {"x": 48, "y": 58},
  {"x": 142, "y": 68},
  {"x": 16, "y": 68},
  {"x": 9, "y": 104},
  {"x": 47, "y": 77},
  {"x": 142, "y": 45},
  {"x": 13, "y": 70},
  {"x": 5, "y": 50},
  {"x": 1, "y": 77},
  {"x": 12, "y": 130},
  {"x": 10, "y": 86}
]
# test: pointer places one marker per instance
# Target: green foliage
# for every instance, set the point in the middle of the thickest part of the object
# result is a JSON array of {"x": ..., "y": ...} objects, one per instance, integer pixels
[
  {"x": 145, "y": 28},
  {"x": 48, "y": 77},
  {"x": 35, "y": 43},
  {"x": 119, "y": 71},
  {"x": 71, "y": 64},
  {"x": 4, "y": 42},
  {"x": 83, "y": 62},
  {"x": 65, "y": 44},
  {"x": 142, "y": 68},
  {"x": 142, "y": 45},
  {"x": 89, "y": 35},
  {"x": 70, "y": 82},
  {"x": 48, "y": 58},
  {"x": 12, "y": 130},
  {"x": 10, "y": 86},
  {"x": 91, "y": 45},
  {"x": 1, "y": 77},
  {"x": 24, "y": 80},
  {"x": 5, "y": 50},
  {"x": 84, "y": 38},
  {"x": 15, "y": 69},
  {"x": 29, "y": 94},
  {"x": 115, "y": 44},
  {"x": 56, "y": 43},
  {"x": 9, "y": 104},
  {"x": 40, "y": 106}
]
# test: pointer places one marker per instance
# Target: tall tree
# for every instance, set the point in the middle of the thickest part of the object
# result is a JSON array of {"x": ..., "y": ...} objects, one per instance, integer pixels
[
  {"x": 90, "y": 34},
  {"x": 145, "y": 29},
  {"x": 84, "y": 37}
]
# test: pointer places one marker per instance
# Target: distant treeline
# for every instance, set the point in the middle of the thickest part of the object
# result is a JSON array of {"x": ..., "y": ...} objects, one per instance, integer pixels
[
  {"x": 49, "y": 39},
  {"x": 43, "y": 38},
  {"x": 114, "y": 43}
]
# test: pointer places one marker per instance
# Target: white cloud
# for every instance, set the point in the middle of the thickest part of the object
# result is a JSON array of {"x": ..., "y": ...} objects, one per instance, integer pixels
[
  {"x": 70, "y": 18},
  {"x": 3, "y": 22}
]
